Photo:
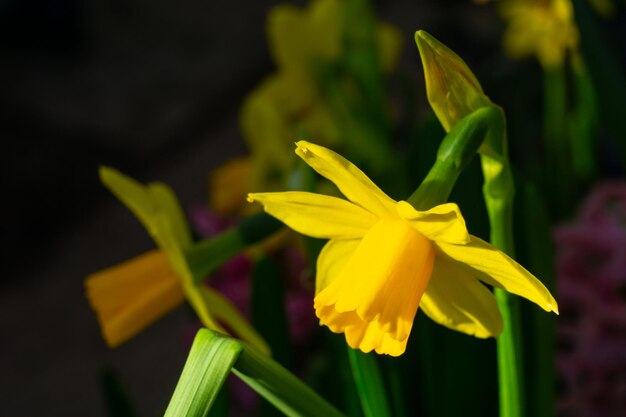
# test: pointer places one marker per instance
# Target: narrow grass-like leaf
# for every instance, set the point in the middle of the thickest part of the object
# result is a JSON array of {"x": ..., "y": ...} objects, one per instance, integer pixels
[
  {"x": 281, "y": 388},
  {"x": 606, "y": 72},
  {"x": 268, "y": 316},
  {"x": 539, "y": 334},
  {"x": 117, "y": 400},
  {"x": 268, "y": 309},
  {"x": 369, "y": 384},
  {"x": 208, "y": 364}
]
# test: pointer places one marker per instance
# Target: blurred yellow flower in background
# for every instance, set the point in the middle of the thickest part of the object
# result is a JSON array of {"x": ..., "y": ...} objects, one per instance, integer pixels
[
  {"x": 129, "y": 297},
  {"x": 542, "y": 28},
  {"x": 288, "y": 104},
  {"x": 228, "y": 184},
  {"x": 385, "y": 258}
]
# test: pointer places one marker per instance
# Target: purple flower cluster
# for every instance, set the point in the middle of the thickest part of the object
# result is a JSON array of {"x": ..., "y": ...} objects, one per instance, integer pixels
[{"x": 591, "y": 269}]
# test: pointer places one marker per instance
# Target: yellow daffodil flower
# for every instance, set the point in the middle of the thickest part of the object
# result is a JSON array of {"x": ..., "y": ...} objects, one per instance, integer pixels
[
  {"x": 129, "y": 297},
  {"x": 385, "y": 258},
  {"x": 544, "y": 28},
  {"x": 288, "y": 104}
]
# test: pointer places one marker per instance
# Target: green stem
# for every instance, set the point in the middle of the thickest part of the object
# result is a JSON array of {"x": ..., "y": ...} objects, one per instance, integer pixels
[
  {"x": 510, "y": 366},
  {"x": 368, "y": 380},
  {"x": 206, "y": 256},
  {"x": 498, "y": 191},
  {"x": 456, "y": 150},
  {"x": 485, "y": 130}
]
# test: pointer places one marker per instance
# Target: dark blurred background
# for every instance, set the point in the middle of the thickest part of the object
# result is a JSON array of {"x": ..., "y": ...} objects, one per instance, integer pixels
[{"x": 152, "y": 88}]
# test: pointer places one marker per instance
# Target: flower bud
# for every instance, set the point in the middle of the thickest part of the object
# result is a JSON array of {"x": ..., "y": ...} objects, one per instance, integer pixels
[{"x": 452, "y": 89}]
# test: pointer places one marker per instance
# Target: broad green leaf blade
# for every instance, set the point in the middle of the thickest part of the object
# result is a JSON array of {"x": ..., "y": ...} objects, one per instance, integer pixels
[
  {"x": 280, "y": 387},
  {"x": 369, "y": 384},
  {"x": 209, "y": 363}
]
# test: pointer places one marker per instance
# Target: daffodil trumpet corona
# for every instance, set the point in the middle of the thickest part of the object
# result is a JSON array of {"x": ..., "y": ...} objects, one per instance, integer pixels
[{"x": 384, "y": 258}]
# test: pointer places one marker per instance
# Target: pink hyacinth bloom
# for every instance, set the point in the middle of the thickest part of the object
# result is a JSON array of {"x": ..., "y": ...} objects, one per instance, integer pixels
[{"x": 591, "y": 268}]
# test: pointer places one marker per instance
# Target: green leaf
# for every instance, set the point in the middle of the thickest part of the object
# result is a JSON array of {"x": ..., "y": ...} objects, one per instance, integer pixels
[
  {"x": 281, "y": 388},
  {"x": 209, "y": 363},
  {"x": 606, "y": 72},
  {"x": 117, "y": 400},
  {"x": 539, "y": 332},
  {"x": 369, "y": 384},
  {"x": 268, "y": 309}
]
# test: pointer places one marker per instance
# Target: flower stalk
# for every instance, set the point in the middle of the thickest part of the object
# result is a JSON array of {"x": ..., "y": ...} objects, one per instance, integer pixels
[{"x": 454, "y": 92}]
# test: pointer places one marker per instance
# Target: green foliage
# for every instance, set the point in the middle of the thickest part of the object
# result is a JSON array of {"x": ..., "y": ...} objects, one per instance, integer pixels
[{"x": 207, "y": 367}]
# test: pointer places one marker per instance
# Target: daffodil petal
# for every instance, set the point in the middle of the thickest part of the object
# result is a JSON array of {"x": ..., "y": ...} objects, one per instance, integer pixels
[
  {"x": 497, "y": 269},
  {"x": 384, "y": 278},
  {"x": 350, "y": 180},
  {"x": 456, "y": 299},
  {"x": 317, "y": 215},
  {"x": 228, "y": 314},
  {"x": 149, "y": 203},
  {"x": 443, "y": 223},
  {"x": 332, "y": 259},
  {"x": 360, "y": 334},
  {"x": 167, "y": 203},
  {"x": 369, "y": 336},
  {"x": 129, "y": 297}
]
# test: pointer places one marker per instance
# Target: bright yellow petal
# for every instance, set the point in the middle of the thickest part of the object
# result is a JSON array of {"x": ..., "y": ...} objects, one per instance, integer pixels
[
  {"x": 370, "y": 336},
  {"x": 497, "y": 269},
  {"x": 442, "y": 223},
  {"x": 384, "y": 278},
  {"x": 360, "y": 334},
  {"x": 151, "y": 205},
  {"x": 332, "y": 259},
  {"x": 227, "y": 313},
  {"x": 317, "y": 215},
  {"x": 456, "y": 299},
  {"x": 350, "y": 180},
  {"x": 129, "y": 297}
]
